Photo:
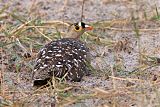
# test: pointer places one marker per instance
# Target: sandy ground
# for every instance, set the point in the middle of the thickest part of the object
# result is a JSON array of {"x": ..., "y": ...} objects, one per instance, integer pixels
[{"x": 125, "y": 75}]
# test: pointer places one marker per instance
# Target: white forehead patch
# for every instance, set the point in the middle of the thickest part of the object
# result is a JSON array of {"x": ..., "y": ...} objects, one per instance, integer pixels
[
  {"x": 79, "y": 24},
  {"x": 86, "y": 26}
]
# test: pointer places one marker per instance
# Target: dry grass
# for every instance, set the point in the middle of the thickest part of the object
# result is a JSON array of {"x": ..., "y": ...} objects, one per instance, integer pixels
[{"x": 22, "y": 37}]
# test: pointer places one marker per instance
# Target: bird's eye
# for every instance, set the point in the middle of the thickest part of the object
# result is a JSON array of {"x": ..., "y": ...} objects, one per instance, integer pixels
[{"x": 77, "y": 28}]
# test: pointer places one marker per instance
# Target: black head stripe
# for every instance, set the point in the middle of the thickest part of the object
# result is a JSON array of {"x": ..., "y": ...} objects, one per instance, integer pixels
[
  {"x": 80, "y": 24},
  {"x": 75, "y": 24},
  {"x": 83, "y": 25}
]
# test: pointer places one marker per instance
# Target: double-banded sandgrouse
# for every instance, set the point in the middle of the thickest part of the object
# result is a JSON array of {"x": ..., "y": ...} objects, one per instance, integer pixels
[{"x": 66, "y": 57}]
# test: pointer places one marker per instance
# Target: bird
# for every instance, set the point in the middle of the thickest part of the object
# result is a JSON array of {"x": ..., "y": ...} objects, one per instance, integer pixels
[{"x": 63, "y": 58}]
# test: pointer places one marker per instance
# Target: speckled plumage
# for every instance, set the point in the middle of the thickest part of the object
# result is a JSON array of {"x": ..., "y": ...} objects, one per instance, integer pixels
[{"x": 67, "y": 57}]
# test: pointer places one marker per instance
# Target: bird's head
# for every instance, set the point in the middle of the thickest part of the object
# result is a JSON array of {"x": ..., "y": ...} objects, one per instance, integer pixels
[{"x": 77, "y": 29}]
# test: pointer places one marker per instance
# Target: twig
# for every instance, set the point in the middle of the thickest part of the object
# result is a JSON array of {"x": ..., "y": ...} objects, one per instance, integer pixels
[
  {"x": 42, "y": 33},
  {"x": 82, "y": 10},
  {"x": 19, "y": 28}
]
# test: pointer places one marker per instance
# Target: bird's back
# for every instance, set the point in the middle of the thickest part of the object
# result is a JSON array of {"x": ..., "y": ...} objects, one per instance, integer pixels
[{"x": 62, "y": 58}]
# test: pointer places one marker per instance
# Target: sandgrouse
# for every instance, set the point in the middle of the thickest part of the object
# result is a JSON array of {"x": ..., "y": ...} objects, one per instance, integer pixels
[{"x": 66, "y": 57}]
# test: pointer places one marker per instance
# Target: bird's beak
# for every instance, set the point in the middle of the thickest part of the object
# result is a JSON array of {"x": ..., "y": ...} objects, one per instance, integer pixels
[{"x": 87, "y": 27}]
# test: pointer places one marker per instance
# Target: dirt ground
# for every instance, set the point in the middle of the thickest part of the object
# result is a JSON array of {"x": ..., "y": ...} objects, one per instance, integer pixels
[{"x": 125, "y": 48}]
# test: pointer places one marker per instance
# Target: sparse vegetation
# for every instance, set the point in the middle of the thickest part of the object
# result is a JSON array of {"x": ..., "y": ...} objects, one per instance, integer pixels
[{"x": 125, "y": 53}]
